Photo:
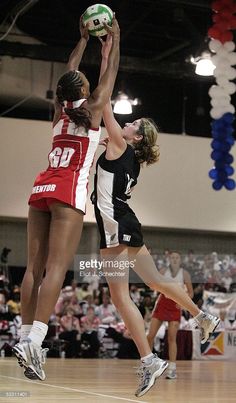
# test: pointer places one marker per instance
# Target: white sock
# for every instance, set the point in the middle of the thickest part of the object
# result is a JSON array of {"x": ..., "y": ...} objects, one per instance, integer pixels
[
  {"x": 172, "y": 365},
  {"x": 38, "y": 332},
  {"x": 199, "y": 316},
  {"x": 24, "y": 332},
  {"x": 147, "y": 359}
]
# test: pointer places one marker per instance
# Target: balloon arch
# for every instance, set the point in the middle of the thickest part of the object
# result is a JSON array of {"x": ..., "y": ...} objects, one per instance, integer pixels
[{"x": 222, "y": 111}]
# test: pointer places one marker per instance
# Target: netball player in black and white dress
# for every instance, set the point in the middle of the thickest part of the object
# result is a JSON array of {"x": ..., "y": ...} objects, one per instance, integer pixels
[{"x": 121, "y": 237}]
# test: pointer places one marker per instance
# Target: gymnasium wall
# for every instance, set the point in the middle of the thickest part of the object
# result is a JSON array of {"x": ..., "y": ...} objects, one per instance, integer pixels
[{"x": 175, "y": 193}]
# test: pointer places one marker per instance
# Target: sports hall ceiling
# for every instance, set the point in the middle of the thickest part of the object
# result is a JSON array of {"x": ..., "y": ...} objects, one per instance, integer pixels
[{"x": 158, "y": 37}]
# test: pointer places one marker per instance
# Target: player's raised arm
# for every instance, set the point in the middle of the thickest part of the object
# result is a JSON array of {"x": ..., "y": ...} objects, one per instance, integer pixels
[
  {"x": 77, "y": 54},
  {"x": 73, "y": 63},
  {"x": 113, "y": 128},
  {"x": 102, "y": 93}
]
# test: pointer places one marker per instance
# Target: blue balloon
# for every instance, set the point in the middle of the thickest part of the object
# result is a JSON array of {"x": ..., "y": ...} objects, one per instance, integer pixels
[
  {"x": 216, "y": 145},
  {"x": 228, "y": 158},
  {"x": 217, "y": 185},
  {"x": 219, "y": 164},
  {"x": 222, "y": 176},
  {"x": 213, "y": 173},
  {"x": 225, "y": 147},
  {"x": 230, "y": 140},
  {"x": 230, "y": 184},
  {"x": 216, "y": 155},
  {"x": 228, "y": 117},
  {"x": 229, "y": 170}
]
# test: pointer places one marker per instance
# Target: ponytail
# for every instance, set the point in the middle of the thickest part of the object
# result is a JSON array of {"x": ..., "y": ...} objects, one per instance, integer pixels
[
  {"x": 146, "y": 150},
  {"x": 69, "y": 89}
]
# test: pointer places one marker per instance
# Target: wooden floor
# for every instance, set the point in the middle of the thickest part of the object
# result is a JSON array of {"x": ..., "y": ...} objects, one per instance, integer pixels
[{"x": 112, "y": 380}]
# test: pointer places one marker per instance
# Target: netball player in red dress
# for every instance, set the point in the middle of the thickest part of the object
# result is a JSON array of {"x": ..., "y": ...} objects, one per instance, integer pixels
[
  {"x": 57, "y": 202},
  {"x": 117, "y": 171},
  {"x": 167, "y": 310}
]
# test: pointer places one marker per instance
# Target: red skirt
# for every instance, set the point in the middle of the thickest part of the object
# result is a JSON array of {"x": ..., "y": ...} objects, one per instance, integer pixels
[{"x": 166, "y": 310}]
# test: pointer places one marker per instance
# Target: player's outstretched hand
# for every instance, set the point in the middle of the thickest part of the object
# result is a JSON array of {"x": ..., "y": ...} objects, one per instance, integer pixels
[
  {"x": 106, "y": 46},
  {"x": 114, "y": 30},
  {"x": 104, "y": 141},
  {"x": 83, "y": 29}
]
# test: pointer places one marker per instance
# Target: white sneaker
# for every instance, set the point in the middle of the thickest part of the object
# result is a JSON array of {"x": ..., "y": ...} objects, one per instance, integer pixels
[
  {"x": 31, "y": 357},
  {"x": 171, "y": 373},
  {"x": 207, "y": 323},
  {"x": 149, "y": 373}
]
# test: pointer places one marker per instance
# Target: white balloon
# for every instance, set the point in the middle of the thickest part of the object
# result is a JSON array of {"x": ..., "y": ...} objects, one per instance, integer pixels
[
  {"x": 221, "y": 101},
  {"x": 215, "y": 59},
  {"x": 223, "y": 62},
  {"x": 219, "y": 111},
  {"x": 221, "y": 71},
  {"x": 222, "y": 52},
  {"x": 221, "y": 80},
  {"x": 232, "y": 58},
  {"x": 215, "y": 45},
  {"x": 230, "y": 73},
  {"x": 216, "y": 113},
  {"x": 229, "y": 46},
  {"x": 229, "y": 88},
  {"x": 216, "y": 91}
]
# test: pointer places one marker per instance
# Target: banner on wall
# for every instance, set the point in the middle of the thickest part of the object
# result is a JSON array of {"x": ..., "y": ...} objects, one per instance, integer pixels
[
  {"x": 220, "y": 346},
  {"x": 216, "y": 302}
]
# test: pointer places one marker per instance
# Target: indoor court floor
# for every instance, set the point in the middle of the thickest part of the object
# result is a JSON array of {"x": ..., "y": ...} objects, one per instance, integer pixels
[{"x": 113, "y": 380}]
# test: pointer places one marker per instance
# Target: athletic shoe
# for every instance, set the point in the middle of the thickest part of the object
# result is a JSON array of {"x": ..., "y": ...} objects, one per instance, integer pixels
[
  {"x": 149, "y": 373},
  {"x": 31, "y": 357},
  {"x": 171, "y": 373},
  {"x": 207, "y": 324}
]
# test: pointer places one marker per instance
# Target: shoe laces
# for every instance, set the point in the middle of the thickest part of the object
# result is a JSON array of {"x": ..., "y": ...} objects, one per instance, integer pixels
[
  {"x": 44, "y": 355},
  {"x": 144, "y": 374}
]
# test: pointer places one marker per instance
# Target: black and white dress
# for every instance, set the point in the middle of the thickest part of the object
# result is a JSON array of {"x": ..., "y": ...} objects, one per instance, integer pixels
[{"x": 114, "y": 181}]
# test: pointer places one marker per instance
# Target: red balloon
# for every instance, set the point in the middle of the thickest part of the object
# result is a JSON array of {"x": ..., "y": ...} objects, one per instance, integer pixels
[
  {"x": 227, "y": 3},
  {"x": 216, "y": 18},
  {"x": 214, "y": 33},
  {"x": 223, "y": 25},
  {"x": 232, "y": 22},
  {"x": 226, "y": 14},
  {"x": 217, "y": 6},
  {"x": 226, "y": 36}
]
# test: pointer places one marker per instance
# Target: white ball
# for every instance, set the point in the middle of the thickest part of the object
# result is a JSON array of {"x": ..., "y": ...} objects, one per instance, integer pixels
[{"x": 95, "y": 16}]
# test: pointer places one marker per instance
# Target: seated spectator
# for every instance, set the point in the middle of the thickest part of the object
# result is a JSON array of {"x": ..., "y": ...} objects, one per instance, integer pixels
[
  {"x": 89, "y": 338},
  {"x": 71, "y": 332},
  {"x": 135, "y": 294},
  {"x": 14, "y": 303},
  {"x": 106, "y": 311}
]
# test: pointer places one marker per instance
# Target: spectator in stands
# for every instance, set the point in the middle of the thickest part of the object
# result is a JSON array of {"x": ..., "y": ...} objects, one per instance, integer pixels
[
  {"x": 135, "y": 294},
  {"x": 89, "y": 337},
  {"x": 106, "y": 311},
  {"x": 14, "y": 303},
  {"x": 71, "y": 332}
]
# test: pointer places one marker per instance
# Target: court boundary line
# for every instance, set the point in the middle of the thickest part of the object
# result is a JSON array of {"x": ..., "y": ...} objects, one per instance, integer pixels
[{"x": 72, "y": 389}]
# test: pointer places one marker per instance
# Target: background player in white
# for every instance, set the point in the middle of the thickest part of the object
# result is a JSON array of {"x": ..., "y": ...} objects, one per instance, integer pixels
[
  {"x": 54, "y": 226},
  {"x": 120, "y": 230}
]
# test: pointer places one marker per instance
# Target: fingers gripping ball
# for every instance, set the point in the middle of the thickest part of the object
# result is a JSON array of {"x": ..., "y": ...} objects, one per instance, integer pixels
[{"x": 95, "y": 16}]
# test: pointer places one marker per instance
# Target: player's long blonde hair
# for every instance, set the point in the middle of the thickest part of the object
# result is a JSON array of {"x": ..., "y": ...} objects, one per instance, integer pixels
[{"x": 147, "y": 150}]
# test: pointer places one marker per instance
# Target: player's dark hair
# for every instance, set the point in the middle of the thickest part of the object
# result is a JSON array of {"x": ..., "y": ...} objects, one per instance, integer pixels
[
  {"x": 147, "y": 150},
  {"x": 69, "y": 89}
]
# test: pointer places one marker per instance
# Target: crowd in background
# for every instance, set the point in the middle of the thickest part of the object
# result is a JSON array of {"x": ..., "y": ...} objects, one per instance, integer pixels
[{"x": 86, "y": 324}]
